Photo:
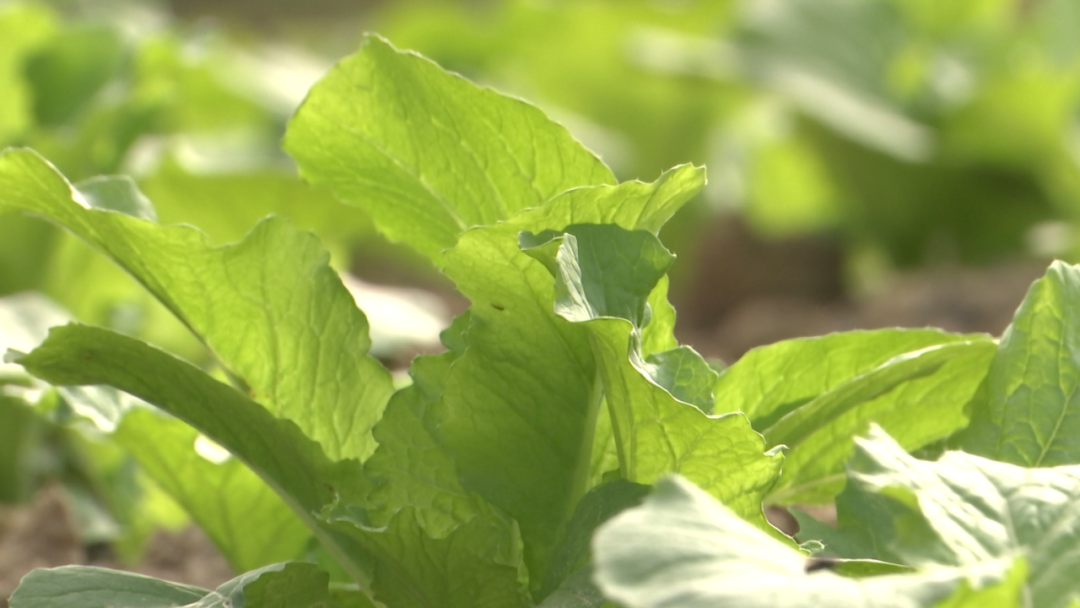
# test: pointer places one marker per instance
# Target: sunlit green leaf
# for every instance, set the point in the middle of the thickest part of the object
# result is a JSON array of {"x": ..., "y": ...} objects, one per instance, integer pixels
[
  {"x": 1028, "y": 412},
  {"x": 428, "y": 154},
  {"x": 269, "y": 307}
]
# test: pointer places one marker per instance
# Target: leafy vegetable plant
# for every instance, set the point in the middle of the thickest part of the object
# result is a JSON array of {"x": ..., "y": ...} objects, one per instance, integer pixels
[{"x": 562, "y": 396}]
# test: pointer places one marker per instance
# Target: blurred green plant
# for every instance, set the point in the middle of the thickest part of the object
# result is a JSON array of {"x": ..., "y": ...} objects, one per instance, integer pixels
[
  {"x": 922, "y": 132},
  {"x": 196, "y": 115},
  {"x": 919, "y": 131}
]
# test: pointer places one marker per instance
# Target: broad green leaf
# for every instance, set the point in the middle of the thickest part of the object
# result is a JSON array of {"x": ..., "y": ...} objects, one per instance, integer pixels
[
  {"x": 918, "y": 397},
  {"x": 1028, "y": 412},
  {"x": 524, "y": 372},
  {"x": 962, "y": 511},
  {"x": 478, "y": 564},
  {"x": 596, "y": 507},
  {"x": 605, "y": 456},
  {"x": 603, "y": 277},
  {"x": 478, "y": 560},
  {"x": 771, "y": 381},
  {"x": 659, "y": 335},
  {"x": 269, "y": 307},
  {"x": 99, "y": 292},
  {"x": 275, "y": 449},
  {"x": 410, "y": 468},
  {"x": 530, "y": 379},
  {"x": 682, "y": 548},
  {"x": 91, "y": 587},
  {"x": 292, "y": 585},
  {"x": 595, "y": 281},
  {"x": 419, "y": 509},
  {"x": 428, "y": 154},
  {"x": 247, "y": 521},
  {"x": 682, "y": 372}
]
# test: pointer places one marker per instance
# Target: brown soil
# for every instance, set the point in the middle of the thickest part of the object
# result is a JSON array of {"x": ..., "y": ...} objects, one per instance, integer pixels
[{"x": 42, "y": 535}]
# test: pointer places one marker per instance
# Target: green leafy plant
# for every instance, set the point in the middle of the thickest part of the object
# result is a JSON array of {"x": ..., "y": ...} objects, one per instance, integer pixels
[{"x": 561, "y": 397}]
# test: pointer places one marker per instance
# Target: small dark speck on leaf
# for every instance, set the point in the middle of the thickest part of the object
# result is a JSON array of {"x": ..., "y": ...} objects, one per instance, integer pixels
[
  {"x": 821, "y": 563},
  {"x": 498, "y": 307}
]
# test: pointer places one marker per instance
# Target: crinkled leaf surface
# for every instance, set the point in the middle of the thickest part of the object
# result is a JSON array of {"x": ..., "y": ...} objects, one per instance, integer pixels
[
  {"x": 411, "y": 468},
  {"x": 479, "y": 563},
  {"x": 603, "y": 277},
  {"x": 964, "y": 510},
  {"x": 269, "y": 307},
  {"x": 1029, "y": 411},
  {"x": 683, "y": 549},
  {"x": 516, "y": 411},
  {"x": 292, "y": 585},
  {"x": 919, "y": 397},
  {"x": 682, "y": 372},
  {"x": 430, "y": 533},
  {"x": 428, "y": 154}
]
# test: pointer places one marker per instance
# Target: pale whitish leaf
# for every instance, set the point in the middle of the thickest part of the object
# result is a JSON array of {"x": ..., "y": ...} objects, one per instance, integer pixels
[
  {"x": 683, "y": 549},
  {"x": 964, "y": 511},
  {"x": 292, "y": 585}
]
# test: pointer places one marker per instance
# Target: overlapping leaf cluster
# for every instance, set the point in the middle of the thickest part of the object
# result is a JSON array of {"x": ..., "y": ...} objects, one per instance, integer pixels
[{"x": 561, "y": 396}]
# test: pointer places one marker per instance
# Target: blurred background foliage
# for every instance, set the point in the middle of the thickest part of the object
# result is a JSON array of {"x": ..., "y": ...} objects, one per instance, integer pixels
[
  {"x": 844, "y": 139},
  {"x": 901, "y": 132}
]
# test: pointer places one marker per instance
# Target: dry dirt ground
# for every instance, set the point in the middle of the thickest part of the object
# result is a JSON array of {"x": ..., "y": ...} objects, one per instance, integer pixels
[{"x": 41, "y": 534}]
